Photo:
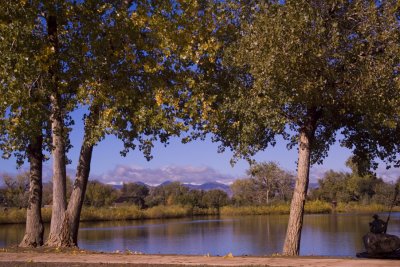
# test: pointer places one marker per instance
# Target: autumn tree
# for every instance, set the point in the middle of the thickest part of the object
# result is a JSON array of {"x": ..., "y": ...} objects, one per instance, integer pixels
[
  {"x": 271, "y": 180},
  {"x": 121, "y": 62},
  {"x": 132, "y": 69},
  {"x": 266, "y": 182},
  {"x": 244, "y": 192},
  {"x": 135, "y": 193},
  {"x": 333, "y": 187},
  {"x": 16, "y": 190},
  {"x": 24, "y": 105},
  {"x": 99, "y": 195},
  {"x": 215, "y": 198},
  {"x": 172, "y": 193},
  {"x": 307, "y": 70}
]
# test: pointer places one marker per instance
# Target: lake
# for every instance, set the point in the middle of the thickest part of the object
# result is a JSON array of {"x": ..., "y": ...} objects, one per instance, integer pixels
[{"x": 323, "y": 234}]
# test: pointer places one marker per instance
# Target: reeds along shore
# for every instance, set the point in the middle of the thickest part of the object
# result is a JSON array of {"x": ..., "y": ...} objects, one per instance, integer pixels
[{"x": 131, "y": 212}]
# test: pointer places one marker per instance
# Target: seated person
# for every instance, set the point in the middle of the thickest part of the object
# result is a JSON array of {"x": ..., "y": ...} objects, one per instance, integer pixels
[{"x": 377, "y": 226}]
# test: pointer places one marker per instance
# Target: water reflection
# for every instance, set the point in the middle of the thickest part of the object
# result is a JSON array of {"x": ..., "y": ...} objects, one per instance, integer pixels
[{"x": 326, "y": 234}]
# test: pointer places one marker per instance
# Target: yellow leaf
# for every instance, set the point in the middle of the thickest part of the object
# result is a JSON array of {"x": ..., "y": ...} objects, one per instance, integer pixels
[
  {"x": 159, "y": 98},
  {"x": 229, "y": 255}
]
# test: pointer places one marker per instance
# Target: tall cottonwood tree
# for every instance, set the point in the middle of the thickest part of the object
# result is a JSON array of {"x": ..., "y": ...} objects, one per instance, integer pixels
[
  {"x": 121, "y": 61},
  {"x": 307, "y": 70},
  {"x": 23, "y": 103}
]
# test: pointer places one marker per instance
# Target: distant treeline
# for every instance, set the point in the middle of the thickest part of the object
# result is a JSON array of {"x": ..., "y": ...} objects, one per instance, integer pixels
[{"x": 265, "y": 184}]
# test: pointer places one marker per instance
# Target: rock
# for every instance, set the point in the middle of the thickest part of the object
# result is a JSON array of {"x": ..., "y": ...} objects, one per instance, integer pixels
[{"x": 376, "y": 244}]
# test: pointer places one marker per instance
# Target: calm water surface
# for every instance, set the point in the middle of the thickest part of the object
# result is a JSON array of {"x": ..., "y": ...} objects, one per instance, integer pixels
[{"x": 323, "y": 234}]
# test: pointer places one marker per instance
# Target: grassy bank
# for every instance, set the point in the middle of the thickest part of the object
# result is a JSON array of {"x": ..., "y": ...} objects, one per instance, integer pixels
[
  {"x": 14, "y": 215},
  {"x": 311, "y": 207}
]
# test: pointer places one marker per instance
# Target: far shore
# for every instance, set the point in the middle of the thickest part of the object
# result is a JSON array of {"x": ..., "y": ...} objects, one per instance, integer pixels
[
  {"x": 131, "y": 212},
  {"x": 81, "y": 258}
]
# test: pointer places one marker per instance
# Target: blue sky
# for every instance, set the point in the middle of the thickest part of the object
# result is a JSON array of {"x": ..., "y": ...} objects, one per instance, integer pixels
[{"x": 195, "y": 162}]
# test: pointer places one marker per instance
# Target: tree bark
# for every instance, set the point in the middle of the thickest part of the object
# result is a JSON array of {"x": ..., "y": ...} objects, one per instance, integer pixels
[
  {"x": 78, "y": 193},
  {"x": 58, "y": 149},
  {"x": 34, "y": 225},
  {"x": 59, "y": 177},
  {"x": 72, "y": 216},
  {"x": 293, "y": 234}
]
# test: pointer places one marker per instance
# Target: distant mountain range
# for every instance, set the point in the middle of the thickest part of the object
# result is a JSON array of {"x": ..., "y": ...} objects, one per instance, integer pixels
[{"x": 206, "y": 186}]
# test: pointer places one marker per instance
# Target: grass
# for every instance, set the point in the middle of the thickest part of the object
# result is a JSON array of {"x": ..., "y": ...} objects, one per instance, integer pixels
[
  {"x": 15, "y": 215},
  {"x": 283, "y": 208}
]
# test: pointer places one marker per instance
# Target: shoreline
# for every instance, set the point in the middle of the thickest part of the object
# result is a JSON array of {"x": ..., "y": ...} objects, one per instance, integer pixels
[{"x": 81, "y": 258}]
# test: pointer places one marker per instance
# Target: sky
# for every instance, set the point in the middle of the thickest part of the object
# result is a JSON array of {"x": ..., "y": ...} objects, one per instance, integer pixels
[{"x": 196, "y": 162}]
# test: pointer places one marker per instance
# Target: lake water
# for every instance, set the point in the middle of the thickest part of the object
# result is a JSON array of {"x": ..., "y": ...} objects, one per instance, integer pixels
[{"x": 323, "y": 234}]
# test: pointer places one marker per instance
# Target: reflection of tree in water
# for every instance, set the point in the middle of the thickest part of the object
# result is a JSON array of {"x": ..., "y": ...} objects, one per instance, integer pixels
[
  {"x": 337, "y": 233},
  {"x": 11, "y": 234},
  {"x": 263, "y": 234}
]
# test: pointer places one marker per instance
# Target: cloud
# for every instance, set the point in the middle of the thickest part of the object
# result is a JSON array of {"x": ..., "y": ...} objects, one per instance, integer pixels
[
  {"x": 388, "y": 174},
  {"x": 154, "y": 176}
]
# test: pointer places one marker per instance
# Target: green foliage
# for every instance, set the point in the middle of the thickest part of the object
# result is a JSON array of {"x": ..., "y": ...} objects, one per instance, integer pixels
[
  {"x": 99, "y": 195},
  {"x": 352, "y": 187},
  {"x": 333, "y": 187},
  {"x": 125, "y": 64},
  {"x": 307, "y": 71},
  {"x": 170, "y": 194},
  {"x": 267, "y": 183},
  {"x": 323, "y": 66},
  {"x": 215, "y": 199},
  {"x": 23, "y": 112},
  {"x": 244, "y": 192},
  {"x": 15, "y": 193},
  {"x": 135, "y": 193}
]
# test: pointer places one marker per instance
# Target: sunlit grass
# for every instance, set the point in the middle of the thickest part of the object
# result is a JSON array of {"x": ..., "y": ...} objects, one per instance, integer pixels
[
  {"x": 134, "y": 213},
  {"x": 255, "y": 210},
  {"x": 355, "y": 207}
]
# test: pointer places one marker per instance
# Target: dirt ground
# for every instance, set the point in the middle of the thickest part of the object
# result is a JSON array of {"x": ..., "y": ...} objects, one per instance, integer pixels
[{"x": 81, "y": 258}]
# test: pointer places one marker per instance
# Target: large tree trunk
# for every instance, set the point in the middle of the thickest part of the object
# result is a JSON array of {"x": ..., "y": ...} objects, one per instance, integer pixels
[
  {"x": 58, "y": 149},
  {"x": 73, "y": 213},
  {"x": 293, "y": 235},
  {"x": 34, "y": 225},
  {"x": 59, "y": 178},
  {"x": 78, "y": 193}
]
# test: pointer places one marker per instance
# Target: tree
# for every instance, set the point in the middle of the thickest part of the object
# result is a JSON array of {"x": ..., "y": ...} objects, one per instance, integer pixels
[
  {"x": 194, "y": 198},
  {"x": 16, "y": 190},
  {"x": 173, "y": 193},
  {"x": 215, "y": 198},
  {"x": 135, "y": 193},
  {"x": 267, "y": 182},
  {"x": 34, "y": 228},
  {"x": 309, "y": 69},
  {"x": 127, "y": 73},
  {"x": 99, "y": 195},
  {"x": 271, "y": 180},
  {"x": 333, "y": 187},
  {"x": 245, "y": 192},
  {"x": 384, "y": 193},
  {"x": 23, "y": 107},
  {"x": 362, "y": 181}
]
